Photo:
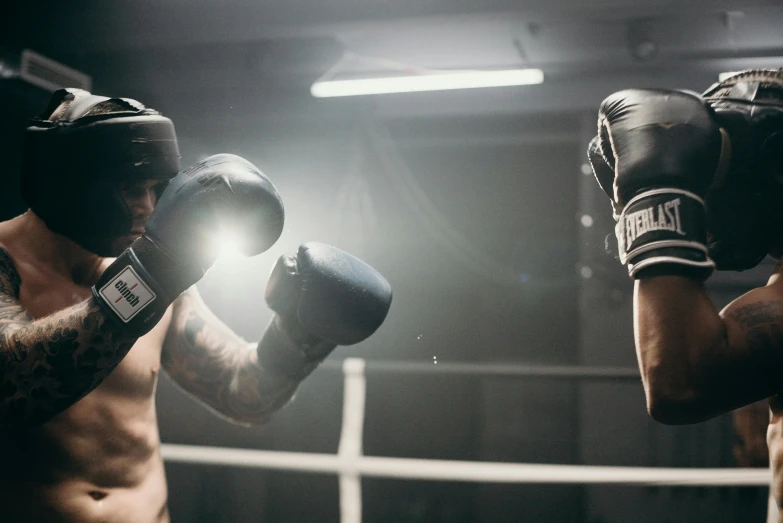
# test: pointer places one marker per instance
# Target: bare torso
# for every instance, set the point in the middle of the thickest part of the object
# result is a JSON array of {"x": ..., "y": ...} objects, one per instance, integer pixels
[
  {"x": 775, "y": 444},
  {"x": 99, "y": 460}
]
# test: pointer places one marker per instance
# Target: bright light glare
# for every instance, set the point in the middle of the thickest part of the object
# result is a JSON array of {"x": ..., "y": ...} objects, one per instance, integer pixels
[
  {"x": 229, "y": 247},
  {"x": 428, "y": 82}
]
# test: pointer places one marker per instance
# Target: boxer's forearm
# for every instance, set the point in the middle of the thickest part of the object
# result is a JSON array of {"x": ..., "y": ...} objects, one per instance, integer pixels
[
  {"x": 219, "y": 368},
  {"x": 49, "y": 364},
  {"x": 698, "y": 363},
  {"x": 228, "y": 378},
  {"x": 677, "y": 331}
]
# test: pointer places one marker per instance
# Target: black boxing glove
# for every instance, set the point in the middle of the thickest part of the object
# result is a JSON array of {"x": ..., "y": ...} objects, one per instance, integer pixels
[
  {"x": 221, "y": 193},
  {"x": 323, "y": 297},
  {"x": 744, "y": 216},
  {"x": 655, "y": 156}
]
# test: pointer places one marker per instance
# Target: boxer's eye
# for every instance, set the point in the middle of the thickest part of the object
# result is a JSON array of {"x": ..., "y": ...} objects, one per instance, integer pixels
[
  {"x": 138, "y": 190},
  {"x": 133, "y": 192},
  {"x": 159, "y": 187}
]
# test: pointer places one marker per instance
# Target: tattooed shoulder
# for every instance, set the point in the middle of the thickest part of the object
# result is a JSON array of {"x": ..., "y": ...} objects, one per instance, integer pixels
[
  {"x": 761, "y": 321},
  {"x": 759, "y": 314}
]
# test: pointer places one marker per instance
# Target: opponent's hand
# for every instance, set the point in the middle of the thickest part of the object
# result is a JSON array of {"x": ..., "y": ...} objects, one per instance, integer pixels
[
  {"x": 219, "y": 194},
  {"x": 323, "y": 297},
  {"x": 655, "y": 156}
]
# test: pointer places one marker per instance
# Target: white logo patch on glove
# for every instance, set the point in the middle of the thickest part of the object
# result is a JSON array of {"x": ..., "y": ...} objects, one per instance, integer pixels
[{"x": 127, "y": 294}]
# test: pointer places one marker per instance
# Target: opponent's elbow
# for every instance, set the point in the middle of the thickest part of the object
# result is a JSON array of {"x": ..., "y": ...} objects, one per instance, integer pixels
[
  {"x": 676, "y": 410},
  {"x": 676, "y": 404},
  {"x": 676, "y": 393},
  {"x": 671, "y": 397}
]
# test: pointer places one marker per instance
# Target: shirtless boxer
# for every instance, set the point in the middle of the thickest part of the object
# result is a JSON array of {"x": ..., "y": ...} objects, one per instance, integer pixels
[
  {"x": 96, "y": 296},
  {"x": 697, "y": 184}
]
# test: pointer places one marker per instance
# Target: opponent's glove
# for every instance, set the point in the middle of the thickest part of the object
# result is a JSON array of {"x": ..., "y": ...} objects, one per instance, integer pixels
[
  {"x": 323, "y": 297},
  {"x": 655, "y": 156},
  {"x": 221, "y": 193},
  {"x": 744, "y": 211}
]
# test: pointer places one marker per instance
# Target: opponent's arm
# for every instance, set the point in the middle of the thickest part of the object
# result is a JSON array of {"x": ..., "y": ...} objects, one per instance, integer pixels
[
  {"x": 655, "y": 156},
  {"x": 697, "y": 363},
  {"x": 674, "y": 164},
  {"x": 212, "y": 363},
  {"x": 48, "y": 364},
  {"x": 322, "y": 297}
]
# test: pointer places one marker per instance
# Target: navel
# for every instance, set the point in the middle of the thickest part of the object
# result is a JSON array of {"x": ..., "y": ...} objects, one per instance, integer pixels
[{"x": 98, "y": 495}]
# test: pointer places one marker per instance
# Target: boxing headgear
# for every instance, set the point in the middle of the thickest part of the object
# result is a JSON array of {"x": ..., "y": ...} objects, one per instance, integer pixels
[
  {"x": 745, "y": 203},
  {"x": 78, "y": 154}
]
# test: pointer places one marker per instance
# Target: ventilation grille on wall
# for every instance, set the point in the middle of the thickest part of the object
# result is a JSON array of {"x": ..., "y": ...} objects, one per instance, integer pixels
[{"x": 50, "y": 75}]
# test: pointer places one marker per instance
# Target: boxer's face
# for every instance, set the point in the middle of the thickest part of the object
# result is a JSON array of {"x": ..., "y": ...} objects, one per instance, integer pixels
[{"x": 141, "y": 197}]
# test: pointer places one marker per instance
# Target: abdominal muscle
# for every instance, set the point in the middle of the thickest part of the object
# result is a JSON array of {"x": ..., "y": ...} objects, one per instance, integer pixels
[{"x": 98, "y": 461}]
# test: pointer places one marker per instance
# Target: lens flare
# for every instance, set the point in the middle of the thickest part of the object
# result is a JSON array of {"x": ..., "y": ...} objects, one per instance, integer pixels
[{"x": 229, "y": 246}]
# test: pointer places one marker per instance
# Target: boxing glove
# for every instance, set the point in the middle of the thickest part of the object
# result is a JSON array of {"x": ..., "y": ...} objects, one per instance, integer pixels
[
  {"x": 655, "y": 156},
  {"x": 221, "y": 193},
  {"x": 744, "y": 215},
  {"x": 323, "y": 297}
]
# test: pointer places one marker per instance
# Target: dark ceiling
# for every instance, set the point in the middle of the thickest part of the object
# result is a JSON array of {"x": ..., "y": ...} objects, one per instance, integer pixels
[{"x": 586, "y": 48}]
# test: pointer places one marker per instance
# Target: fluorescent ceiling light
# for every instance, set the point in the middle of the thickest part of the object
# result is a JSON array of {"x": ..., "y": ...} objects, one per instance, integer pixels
[
  {"x": 426, "y": 82},
  {"x": 723, "y": 76}
]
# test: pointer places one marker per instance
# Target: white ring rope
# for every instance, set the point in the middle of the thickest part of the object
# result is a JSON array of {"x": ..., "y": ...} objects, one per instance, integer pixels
[
  {"x": 351, "y": 465},
  {"x": 499, "y": 369},
  {"x": 468, "y": 471}
]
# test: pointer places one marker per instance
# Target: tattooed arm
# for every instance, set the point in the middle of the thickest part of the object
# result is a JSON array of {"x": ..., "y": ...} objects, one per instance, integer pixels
[
  {"x": 49, "y": 364},
  {"x": 207, "y": 359},
  {"x": 698, "y": 363}
]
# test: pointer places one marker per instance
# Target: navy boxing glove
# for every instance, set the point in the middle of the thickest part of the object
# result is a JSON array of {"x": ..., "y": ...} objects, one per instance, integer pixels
[
  {"x": 655, "y": 156},
  {"x": 221, "y": 193},
  {"x": 323, "y": 297}
]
